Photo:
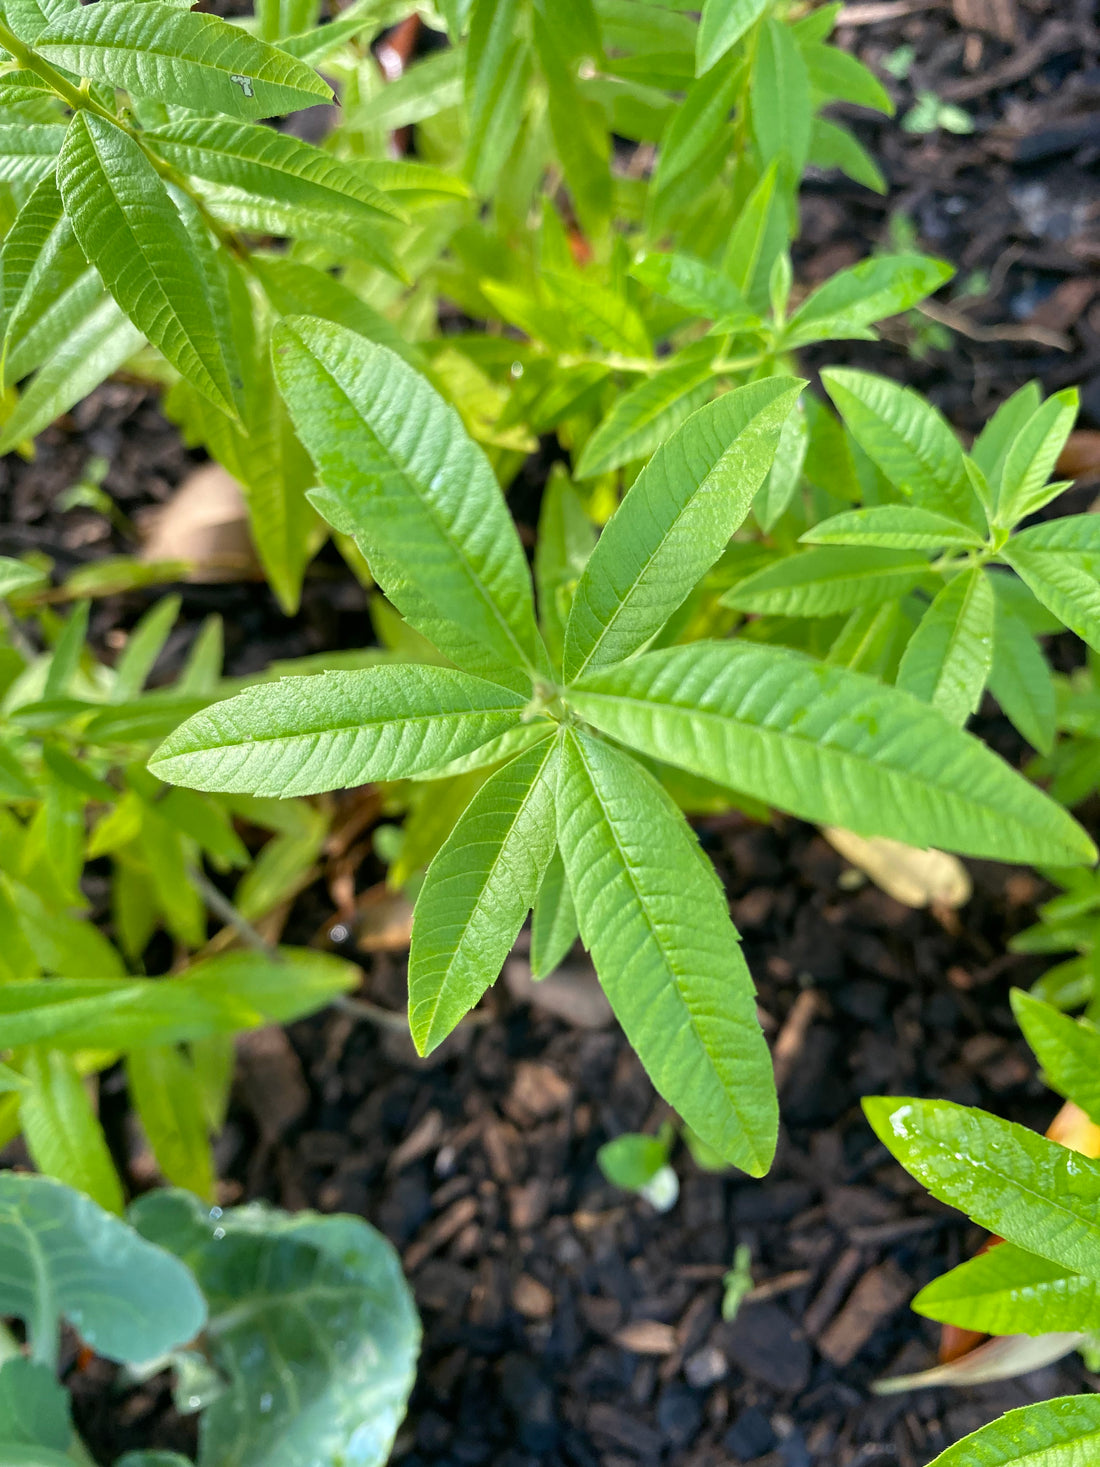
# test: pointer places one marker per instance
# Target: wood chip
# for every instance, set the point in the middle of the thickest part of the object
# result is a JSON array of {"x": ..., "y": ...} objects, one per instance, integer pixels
[
  {"x": 440, "y": 1232},
  {"x": 571, "y": 993},
  {"x": 424, "y": 1137},
  {"x": 998, "y": 18},
  {"x": 532, "y": 1299},
  {"x": 537, "y": 1093},
  {"x": 827, "y": 1300},
  {"x": 792, "y": 1036},
  {"x": 911, "y": 876},
  {"x": 879, "y": 1292},
  {"x": 647, "y": 1337}
]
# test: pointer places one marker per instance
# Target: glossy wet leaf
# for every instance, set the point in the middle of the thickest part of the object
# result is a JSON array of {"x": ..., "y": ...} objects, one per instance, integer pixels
[
  {"x": 1059, "y": 1433},
  {"x": 1006, "y": 1291}
]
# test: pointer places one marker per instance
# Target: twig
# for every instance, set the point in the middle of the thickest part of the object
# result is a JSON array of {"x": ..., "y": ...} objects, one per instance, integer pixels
[
  {"x": 960, "y": 322},
  {"x": 880, "y": 10},
  {"x": 224, "y": 909},
  {"x": 362, "y": 1008}
]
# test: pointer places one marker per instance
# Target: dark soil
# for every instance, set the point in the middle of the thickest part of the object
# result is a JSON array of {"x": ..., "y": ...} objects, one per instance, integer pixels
[{"x": 480, "y": 1166}]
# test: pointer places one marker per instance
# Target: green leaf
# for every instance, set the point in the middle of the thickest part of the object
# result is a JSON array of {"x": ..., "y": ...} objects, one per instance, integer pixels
[
  {"x": 28, "y": 150},
  {"x": 829, "y": 580},
  {"x": 1021, "y": 680},
  {"x": 143, "y": 646},
  {"x": 61, "y": 1254},
  {"x": 1028, "y": 1190},
  {"x": 180, "y": 57},
  {"x": 39, "y": 261},
  {"x": 565, "y": 541},
  {"x": 336, "y": 729},
  {"x": 992, "y": 443},
  {"x": 34, "y": 1407},
  {"x": 633, "y": 1160},
  {"x": 604, "y": 314},
  {"x": 949, "y": 656},
  {"x": 60, "y": 942},
  {"x": 778, "y": 490},
  {"x": 696, "y": 286},
  {"x": 722, "y": 24},
  {"x": 29, "y": 18},
  {"x": 15, "y": 575},
  {"x": 271, "y": 164},
  {"x": 1058, "y": 1433},
  {"x": 780, "y": 101},
  {"x": 309, "y": 1316},
  {"x": 62, "y": 1131},
  {"x": 674, "y": 522},
  {"x": 908, "y": 440},
  {"x": 852, "y": 300},
  {"x": 553, "y": 920},
  {"x": 401, "y": 472},
  {"x": 1006, "y": 1291},
  {"x": 478, "y": 890},
  {"x": 1068, "y": 1050},
  {"x": 424, "y": 89},
  {"x": 296, "y": 289},
  {"x": 166, "y": 1095},
  {"x": 1060, "y": 563},
  {"x": 131, "y": 231},
  {"x": 830, "y": 746},
  {"x": 578, "y": 125},
  {"x": 894, "y": 527},
  {"x": 497, "y": 69},
  {"x": 644, "y": 417},
  {"x": 835, "y": 147},
  {"x": 697, "y": 125},
  {"x": 759, "y": 236},
  {"x": 653, "y": 916},
  {"x": 1031, "y": 456},
  {"x": 838, "y": 76}
]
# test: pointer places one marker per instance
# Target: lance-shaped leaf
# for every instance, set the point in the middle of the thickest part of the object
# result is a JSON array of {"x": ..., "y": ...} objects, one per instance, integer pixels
[
  {"x": 307, "y": 734},
  {"x": 132, "y": 233},
  {"x": 829, "y": 745},
  {"x": 1021, "y": 681},
  {"x": 166, "y": 1095},
  {"x": 39, "y": 261},
  {"x": 761, "y": 232},
  {"x": 28, "y": 150},
  {"x": 478, "y": 890},
  {"x": 674, "y": 522},
  {"x": 722, "y": 24},
  {"x": 553, "y": 920},
  {"x": 696, "y": 286},
  {"x": 829, "y": 580},
  {"x": 29, "y": 18},
  {"x": 991, "y": 446},
  {"x": 401, "y": 472},
  {"x": 59, "y": 1248},
  {"x": 893, "y": 527},
  {"x": 849, "y": 303},
  {"x": 1005, "y": 1291},
  {"x": 1031, "y": 456},
  {"x": 908, "y": 440},
  {"x": 180, "y": 57},
  {"x": 1068, "y": 1051},
  {"x": 1060, "y": 1433},
  {"x": 780, "y": 98},
  {"x": 656, "y": 922},
  {"x": 1028, "y": 1190},
  {"x": 835, "y": 147},
  {"x": 643, "y": 418},
  {"x": 949, "y": 656},
  {"x": 271, "y": 164},
  {"x": 62, "y": 1130},
  {"x": 1060, "y": 562},
  {"x": 565, "y": 541}
]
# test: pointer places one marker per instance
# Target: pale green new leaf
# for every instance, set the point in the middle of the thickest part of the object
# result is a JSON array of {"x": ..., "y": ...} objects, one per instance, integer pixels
[
  {"x": 1068, "y": 1050},
  {"x": 180, "y": 57},
  {"x": 271, "y": 164},
  {"x": 497, "y": 69},
  {"x": 62, "y": 1131},
  {"x": 165, "y": 1091},
  {"x": 829, "y": 580},
  {"x": 893, "y": 527},
  {"x": 1059, "y": 1433},
  {"x": 722, "y": 24},
  {"x": 835, "y": 147},
  {"x": 307, "y": 734},
  {"x": 644, "y": 417},
  {"x": 828, "y": 745},
  {"x": 1031, "y": 456},
  {"x": 424, "y": 89},
  {"x": 851, "y": 301},
  {"x": 674, "y": 522},
  {"x": 553, "y": 920},
  {"x": 1005, "y": 1291},
  {"x": 1060, "y": 562},
  {"x": 401, "y": 473},
  {"x": 992, "y": 443},
  {"x": 132, "y": 233},
  {"x": 780, "y": 100},
  {"x": 297, "y": 289},
  {"x": 949, "y": 656},
  {"x": 15, "y": 575},
  {"x": 1021, "y": 680},
  {"x": 604, "y": 314},
  {"x": 656, "y": 922},
  {"x": 1028, "y": 1190},
  {"x": 840, "y": 77},
  {"x": 478, "y": 890},
  {"x": 762, "y": 231},
  {"x": 908, "y": 440},
  {"x": 697, "y": 125}
]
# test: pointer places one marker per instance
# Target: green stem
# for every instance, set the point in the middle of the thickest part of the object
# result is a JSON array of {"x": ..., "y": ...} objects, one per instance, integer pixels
[{"x": 77, "y": 98}]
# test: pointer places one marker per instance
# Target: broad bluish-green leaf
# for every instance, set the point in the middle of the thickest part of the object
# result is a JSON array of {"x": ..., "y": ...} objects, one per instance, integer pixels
[
  {"x": 762, "y": 231},
  {"x": 400, "y": 471},
  {"x": 780, "y": 99},
  {"x": 565, "y": 541},
  {"x": 893, "y": 527},
  {"x": 180, "y": 57},
  {"x": 1030, "y": 458},
  {"x": 655, "y": 920},
  {"x": 478, "y": 890},
  {"x": 851, "y": 301},
  {"x": 674, "y": 522},
  {"x": 908, "y": 440},
  {"x": 131, "y": 231},
  {"x": 825, "y": 581},
  {"x": 838, "y": 76},
  {"x": 304, "y": 735},
  {"x": 949, "y": 656},
  {"x": 835, "y": 147},
  {"x": 62, "y": 1131},
  {"x": 100, "y": 1274},
  {"x": 644, "y": 417},
  {"x": 271, "y": 164},
  {"x": 722, "y": 24},
  {"x": 311, "y": 1323},
  {"x": 1059, "y": 1433},
  {"x": 1028, "y": 1190},
  {"x": 1060, "y": 563},
  {"x": 830, "y": 746},
  {"x": 34, "y": 1410},
  {"x": 553, "y": 920},
  {"x": 1021, "y": 680},
  {"x": 1005, "y": 1291},
  {"x": 165, "y": 1092},
  {"x": 1068, "y": 1050},
  {"x": 696, "y": 286},
  {"x": 28, "y": 150}
]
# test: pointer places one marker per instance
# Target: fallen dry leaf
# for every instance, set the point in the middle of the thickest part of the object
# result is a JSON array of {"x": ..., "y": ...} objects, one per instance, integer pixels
[
  {"x": 205, "y": 523},
  {"x": 997, "y": 1359},
  {"x": 647, "y": 1337},
  {"x": 911, "y": 876}
]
